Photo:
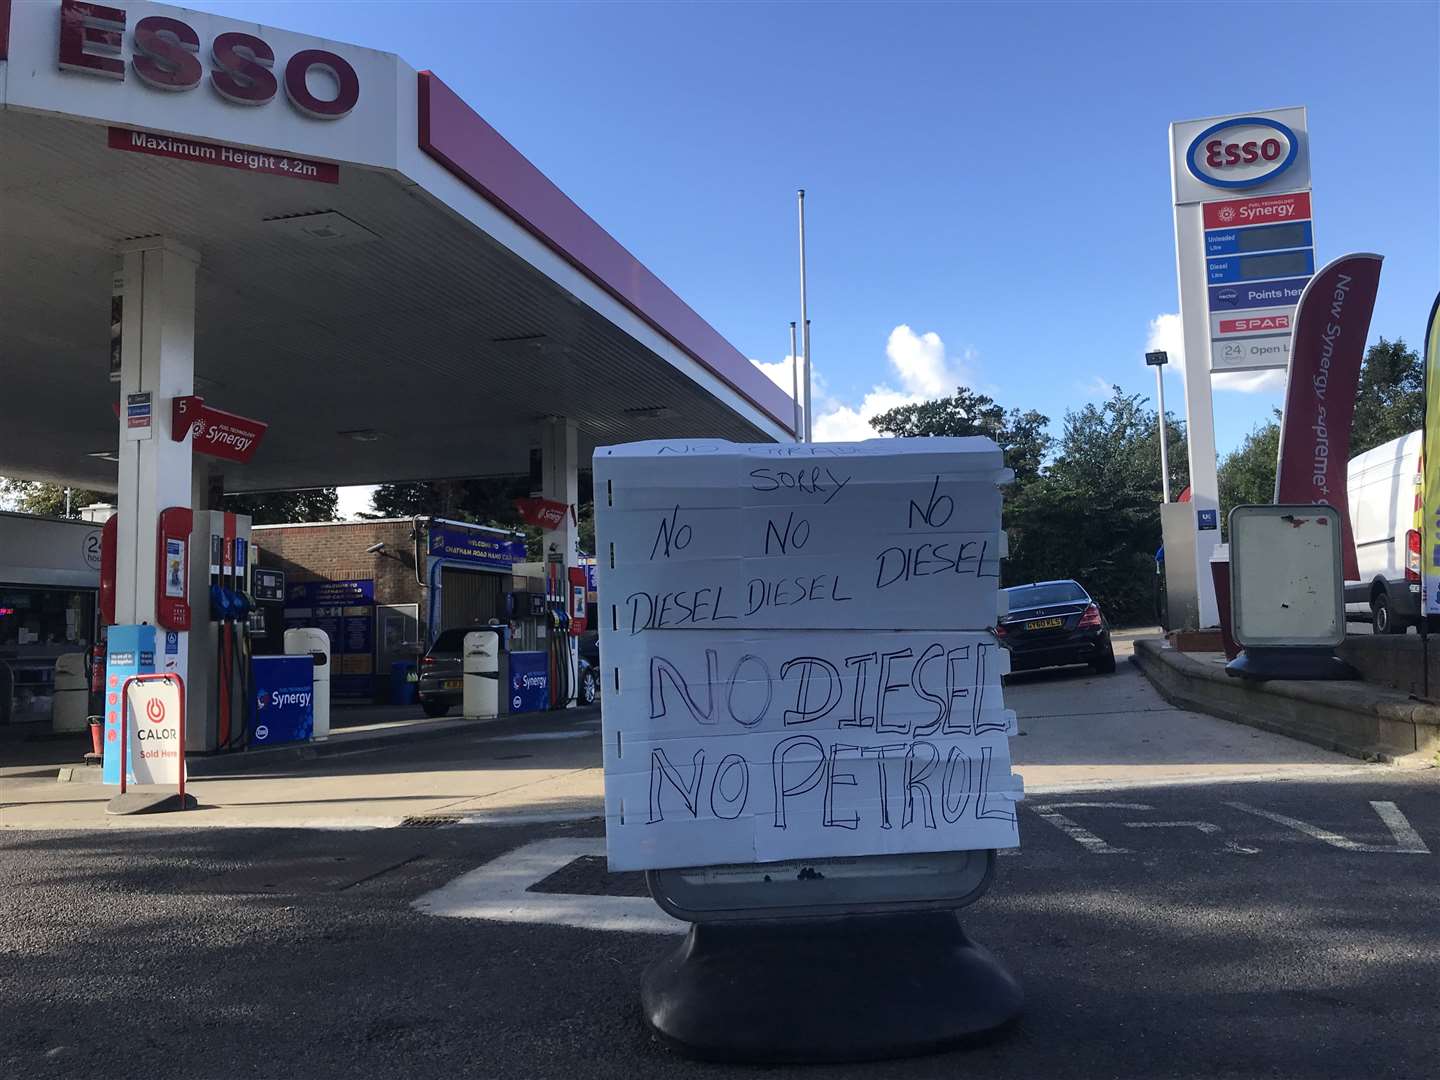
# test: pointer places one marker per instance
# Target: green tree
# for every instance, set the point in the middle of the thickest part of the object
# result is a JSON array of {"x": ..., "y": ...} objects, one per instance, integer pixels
[
  {"x": 39, "y": 497},
  {"x": 1247, "y": 475},
  {"x": 1390, "y": 401},
  {"x": 1023, "y": 436},
  {"x": 482, "y": 501},
  {"x": 1093, "y": 516},
  {"x": 285, "y": 507}
]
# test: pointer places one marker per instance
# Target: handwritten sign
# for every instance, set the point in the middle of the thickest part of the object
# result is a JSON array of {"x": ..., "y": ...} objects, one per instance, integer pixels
[{"x": 796, "y": 650}]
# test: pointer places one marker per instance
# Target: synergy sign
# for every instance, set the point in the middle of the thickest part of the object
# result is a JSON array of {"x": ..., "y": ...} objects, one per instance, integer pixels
[{"x": 1259, "y": 255}]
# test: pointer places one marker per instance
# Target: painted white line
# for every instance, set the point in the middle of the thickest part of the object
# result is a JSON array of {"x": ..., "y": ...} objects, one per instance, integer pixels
[
  {"x": 1407, "y": 840},
  {"x": 1318, "y": 772},
  {"x": 538, "y": 736},
  {"x": 1077, "y": 832},
  {"x": 1206, "y": 827},
  {"x": 496, "y": 891}
]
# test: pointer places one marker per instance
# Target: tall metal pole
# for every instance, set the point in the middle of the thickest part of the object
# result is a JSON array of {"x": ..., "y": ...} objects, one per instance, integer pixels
[
  {"x": 795, "y": 383},
  {"x": 805, "y": 321},
  {"x": 1164, "y": 443}
]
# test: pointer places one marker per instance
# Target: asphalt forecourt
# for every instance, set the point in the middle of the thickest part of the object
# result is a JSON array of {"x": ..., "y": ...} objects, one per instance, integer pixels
[{"x": 1175, "y": 934}]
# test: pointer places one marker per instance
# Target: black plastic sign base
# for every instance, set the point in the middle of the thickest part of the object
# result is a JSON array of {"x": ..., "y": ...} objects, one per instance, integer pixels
[
  {"x": 149, "y": 802},
  {"x": 857, "y": 988},
  {"x": 1289, "y": 663}
]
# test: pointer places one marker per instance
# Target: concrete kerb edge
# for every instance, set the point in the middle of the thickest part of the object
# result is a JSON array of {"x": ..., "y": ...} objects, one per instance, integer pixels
[
  {"x": 259, "y": 761},
  {"x": 1343, "y": 718}
]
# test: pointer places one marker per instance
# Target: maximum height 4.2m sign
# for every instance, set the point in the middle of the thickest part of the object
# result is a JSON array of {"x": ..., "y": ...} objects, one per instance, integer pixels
[{"x": 797, "y": 652}]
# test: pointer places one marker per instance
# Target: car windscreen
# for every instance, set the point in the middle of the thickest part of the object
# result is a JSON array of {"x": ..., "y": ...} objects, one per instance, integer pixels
[
  {"x": 451, "y": 641},
  {"x": 1055, "y": 592}
]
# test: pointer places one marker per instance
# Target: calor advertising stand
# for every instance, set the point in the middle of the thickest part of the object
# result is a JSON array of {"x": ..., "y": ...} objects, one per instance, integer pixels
[
  {"x": 804, "y": 775},
  {"x": 152, "y": 744}
]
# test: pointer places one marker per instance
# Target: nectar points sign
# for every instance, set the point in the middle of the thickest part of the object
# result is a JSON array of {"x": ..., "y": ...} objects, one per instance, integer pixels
[{"x": 797, "y": 654}]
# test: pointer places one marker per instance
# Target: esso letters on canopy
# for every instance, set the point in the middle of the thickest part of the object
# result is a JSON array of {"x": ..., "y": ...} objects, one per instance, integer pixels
[
  {"x": 165, "y": 55},
  {"x": 1242, "y": 153}
]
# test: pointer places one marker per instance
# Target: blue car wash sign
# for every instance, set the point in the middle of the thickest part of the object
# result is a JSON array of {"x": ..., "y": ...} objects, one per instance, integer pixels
[
  {"x": 282, "y": 705},
  {"x": 492, "y": 550}
]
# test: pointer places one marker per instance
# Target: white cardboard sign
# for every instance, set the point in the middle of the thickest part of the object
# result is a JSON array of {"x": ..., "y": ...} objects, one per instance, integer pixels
[
  {"x": 796, "y": 651},
  {"x": 153, "y": 754}
]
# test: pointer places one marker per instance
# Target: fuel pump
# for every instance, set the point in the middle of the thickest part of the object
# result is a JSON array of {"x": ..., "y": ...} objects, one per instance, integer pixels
[
  {"x": 230, "y": 606},
  {"x": 559, "y": 601}
]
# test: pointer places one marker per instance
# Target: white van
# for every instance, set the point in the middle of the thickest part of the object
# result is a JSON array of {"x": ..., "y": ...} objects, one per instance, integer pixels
[{"x": 1383, "y": 486}]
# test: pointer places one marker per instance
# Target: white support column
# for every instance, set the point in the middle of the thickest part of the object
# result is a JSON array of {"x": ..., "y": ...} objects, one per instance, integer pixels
[
  {"x": 1199, "y": 407},
  {"x": 157, "y": 356},
  {"x": 560, "y": 481}
]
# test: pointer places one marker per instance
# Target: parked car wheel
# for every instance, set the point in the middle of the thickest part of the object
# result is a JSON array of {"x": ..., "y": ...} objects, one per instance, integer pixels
[
  {"x": 1105, "y": 665},
  {"x": 1384, "y": 619},
  {"x": 435, "y": 709},
  {"x": 589, "y": 688}
]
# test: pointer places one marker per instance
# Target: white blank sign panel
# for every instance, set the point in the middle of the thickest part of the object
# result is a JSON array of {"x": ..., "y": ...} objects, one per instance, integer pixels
[
  {"x": 796, "y": 650},
  {"x": 1286, "y": 583}
]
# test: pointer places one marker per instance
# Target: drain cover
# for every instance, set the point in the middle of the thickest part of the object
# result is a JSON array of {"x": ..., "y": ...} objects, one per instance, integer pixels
[{"x": 429, "y": 821}]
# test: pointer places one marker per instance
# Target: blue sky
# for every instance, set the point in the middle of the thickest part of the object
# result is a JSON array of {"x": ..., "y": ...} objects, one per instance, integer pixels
[{"x": 994, "y": 178}]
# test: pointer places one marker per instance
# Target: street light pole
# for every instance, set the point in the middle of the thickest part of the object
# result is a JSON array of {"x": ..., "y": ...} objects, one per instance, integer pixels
[
  {"x": 1158, "y": 360},
  {"x": 804, "y": 318},
  {"x": 795, "y": 385}
]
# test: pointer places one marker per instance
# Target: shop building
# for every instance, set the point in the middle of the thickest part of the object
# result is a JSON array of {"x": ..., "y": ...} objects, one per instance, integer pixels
[
  {"x": 384, "y": 589},
  {"x": 49, "y": 581}
]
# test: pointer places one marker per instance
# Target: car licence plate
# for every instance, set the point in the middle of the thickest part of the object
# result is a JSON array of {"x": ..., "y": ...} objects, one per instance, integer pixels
[
  {"x": 450, "y": 684},
  {"x": 1044, "y": 624}
]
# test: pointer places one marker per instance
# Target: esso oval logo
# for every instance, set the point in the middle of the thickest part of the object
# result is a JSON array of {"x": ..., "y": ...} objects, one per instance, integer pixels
[{"x": 1242, "y": 153}]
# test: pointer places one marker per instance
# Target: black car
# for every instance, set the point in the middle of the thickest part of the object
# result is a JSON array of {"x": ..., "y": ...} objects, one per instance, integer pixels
[
  {"x": 589, "y": 654},
  {"x": 1052, "y": 623}
]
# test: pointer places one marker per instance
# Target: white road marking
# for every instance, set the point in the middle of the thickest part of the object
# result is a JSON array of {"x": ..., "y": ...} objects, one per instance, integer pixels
[
  {"x": 538, "y": 736},
  {"x": 1077, "y": 832},
  {"x": 1310, "y": 772},
  {"x": 1206, "y": 827},
  {"x": 1407, "y": 840},
  {"x": 496, "y": 891}
]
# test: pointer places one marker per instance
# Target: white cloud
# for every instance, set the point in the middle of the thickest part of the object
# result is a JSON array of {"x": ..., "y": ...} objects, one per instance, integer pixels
[
  {"x": 1166, "y": 333},
  {"x": 1096, "y": 387},
  {"x": 350, "y": 501},
  {"x": 1251, "y": 382},
  {"x": 778, "y": 372},
  {"x": 918, "y": 363}
]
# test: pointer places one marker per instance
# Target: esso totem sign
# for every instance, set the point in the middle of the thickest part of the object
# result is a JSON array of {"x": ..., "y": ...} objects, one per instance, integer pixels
[{"x": 1242, "y": 152}]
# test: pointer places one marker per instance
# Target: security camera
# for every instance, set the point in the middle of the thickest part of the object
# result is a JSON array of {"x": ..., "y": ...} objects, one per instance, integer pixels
[{"x": 375, "y": 549}]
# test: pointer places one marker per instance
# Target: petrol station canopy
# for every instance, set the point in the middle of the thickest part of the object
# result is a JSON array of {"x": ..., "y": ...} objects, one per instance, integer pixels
[{"x": 383, "y": 279}]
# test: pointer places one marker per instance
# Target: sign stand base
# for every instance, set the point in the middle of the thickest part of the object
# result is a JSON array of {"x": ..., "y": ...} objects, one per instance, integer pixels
[
  {"x": 1289, "y": 663},
  {"x": 856, "y": 988},
  {"x": 149, "y": 802}
]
